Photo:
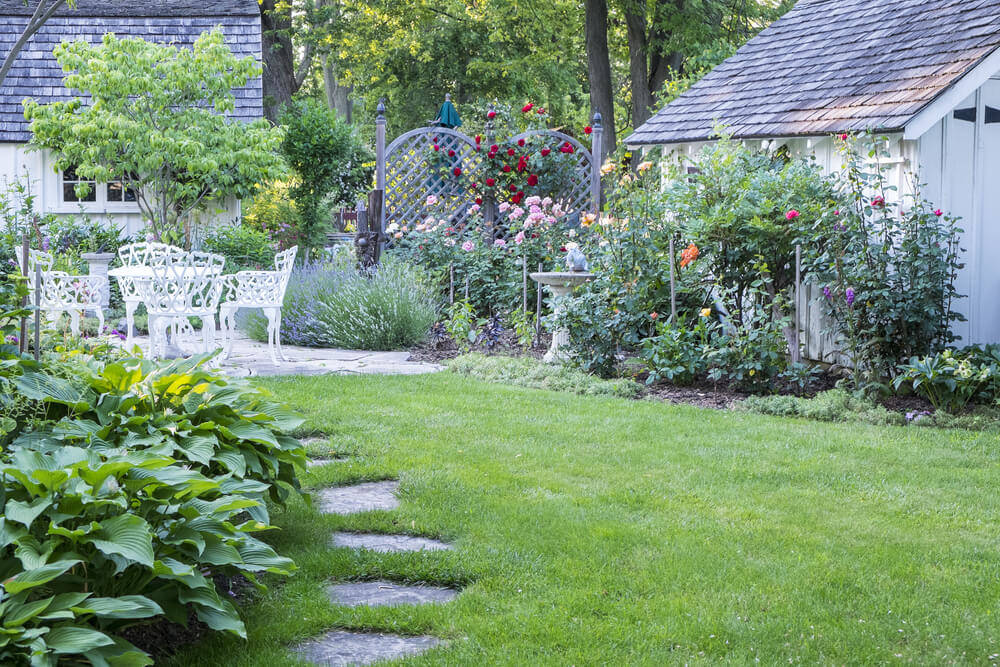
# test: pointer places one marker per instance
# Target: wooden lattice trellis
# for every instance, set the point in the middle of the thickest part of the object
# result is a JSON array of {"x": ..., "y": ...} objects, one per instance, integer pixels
[{"x": 410, "y": 179}]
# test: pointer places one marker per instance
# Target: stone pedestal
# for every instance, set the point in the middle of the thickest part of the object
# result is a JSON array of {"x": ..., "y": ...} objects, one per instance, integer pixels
[
  {"x": 560, "y": 283},
  {"x": 97, "y": 265}
]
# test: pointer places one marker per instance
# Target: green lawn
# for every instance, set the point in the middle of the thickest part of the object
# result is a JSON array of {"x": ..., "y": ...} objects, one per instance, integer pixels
[{"x": 603, "y": 531}]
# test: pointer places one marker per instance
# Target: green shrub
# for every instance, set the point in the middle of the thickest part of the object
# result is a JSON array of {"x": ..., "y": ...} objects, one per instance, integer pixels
[
  {"x": 334, "y": 305},
  {"x": 334, "y": 167},
  {"x": 678, "y": 353},
  {"x": 946, "y": 380},
  {"x": 526, "y": 372},
  {"x": 836, "y": 405},
  {"x": 244, "y": 247}
]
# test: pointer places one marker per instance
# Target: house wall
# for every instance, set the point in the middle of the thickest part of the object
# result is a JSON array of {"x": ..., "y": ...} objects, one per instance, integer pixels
[{"x": 36, "y": 168}]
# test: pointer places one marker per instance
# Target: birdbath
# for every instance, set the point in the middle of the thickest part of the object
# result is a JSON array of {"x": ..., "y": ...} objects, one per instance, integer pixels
[{"x": 560, "y": 283}]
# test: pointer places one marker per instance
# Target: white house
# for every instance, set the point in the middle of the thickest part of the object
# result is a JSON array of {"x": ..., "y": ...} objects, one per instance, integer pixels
[
  {"x": 36, "y": 74},
  {"x": 925, "y": 73}
]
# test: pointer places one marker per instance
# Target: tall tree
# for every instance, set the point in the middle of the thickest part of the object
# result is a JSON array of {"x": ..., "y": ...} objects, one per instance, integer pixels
[
  {"x": 599, "y": 69},
  {"x": 282, "y": 76}
]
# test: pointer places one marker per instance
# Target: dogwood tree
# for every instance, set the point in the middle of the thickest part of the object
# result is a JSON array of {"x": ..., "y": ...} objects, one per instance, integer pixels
[{"x": 156, "y": 120}]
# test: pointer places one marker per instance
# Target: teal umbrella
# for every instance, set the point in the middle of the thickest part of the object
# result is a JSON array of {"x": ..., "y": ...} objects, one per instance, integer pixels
[{"x": 448, "y": 115}]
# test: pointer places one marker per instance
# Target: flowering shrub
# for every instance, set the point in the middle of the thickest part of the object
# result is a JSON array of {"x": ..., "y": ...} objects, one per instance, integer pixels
[
  {"x": 947, "y": 380},
  {"x": 470, "y": 255},
  {"x": 887, "y": 269}
]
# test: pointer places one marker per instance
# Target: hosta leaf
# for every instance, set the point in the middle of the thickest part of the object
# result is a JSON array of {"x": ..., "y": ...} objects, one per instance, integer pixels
[
  {"x": 128, "y": 536},
  {"x": 42, "y": 387},
  {"x": 217, "y": 552},
  {"x": 226, "y": 621},
  {"x": 42, "y": 575},
  {"x": 26, "y": 512},
  {"x": 10, "y": 533},
  {"x": 199, "y": 448},
  {"x": 23, "y": 612},
  {"x": 233, "y": 461},
  {"x": 119, "y": 654},
  {"x": 250, "y": 431},
  {"x": 124, "y": 607},
  {"x": 75, "y": 639},
  {"x": 258, "y": 556}
]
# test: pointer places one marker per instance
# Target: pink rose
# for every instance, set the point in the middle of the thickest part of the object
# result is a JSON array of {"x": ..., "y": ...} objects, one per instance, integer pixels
[
  {"x": 791, "y": 215},
  {"x": 468, "y": 246}
]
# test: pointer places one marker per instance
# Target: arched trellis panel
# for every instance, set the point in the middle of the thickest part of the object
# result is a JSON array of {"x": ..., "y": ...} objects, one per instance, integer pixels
[
  {"x": 577, "y": 193},
  {"x": 414, "y": 172}
]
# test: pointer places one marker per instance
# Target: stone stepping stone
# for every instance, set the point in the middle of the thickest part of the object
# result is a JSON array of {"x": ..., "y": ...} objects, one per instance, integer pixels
[
  {"x": 339, "y": 647},
  {"x": 387, "y": 594},
  {"x": 323, "y": 460},
  {"x": 359, "y": 498},
  {"x": 388, "y": 543}
]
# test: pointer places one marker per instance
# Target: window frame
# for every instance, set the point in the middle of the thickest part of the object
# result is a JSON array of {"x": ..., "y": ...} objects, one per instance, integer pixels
[{"x": 101, "y": 203}]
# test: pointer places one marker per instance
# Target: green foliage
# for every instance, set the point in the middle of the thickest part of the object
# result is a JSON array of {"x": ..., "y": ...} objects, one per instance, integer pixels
[
  {"x": 596, "y": 328},
  {"x": 526, "y": 372},
  {"x": 273, "y": 211},
  {"x": 947, "y": 380},
  {"x": 834, "y": 405},
  {"x": 129, "y": 486},
  {"x": 679, "y": 353},
  {"x": 333, "y": 166},
  {"x": 523, "y": 325},
  {"x": 887, "y": 267},
  {"x": 463, "y": 326},
  {"x": 156, "y": 121},
  {"x": 334, "y": 305},
  {"x": 244, "y": 247}
]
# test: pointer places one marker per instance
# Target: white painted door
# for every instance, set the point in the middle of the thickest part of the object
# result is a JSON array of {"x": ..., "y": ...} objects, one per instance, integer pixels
[{"x": 986, "y": 307}]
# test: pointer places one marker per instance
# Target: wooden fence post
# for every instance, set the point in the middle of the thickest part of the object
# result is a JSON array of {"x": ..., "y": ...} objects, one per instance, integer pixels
[
  {"x": 376, "y": 223},
  {"x": 597, "y": 155},
  {"x": 380, "y": 145}
]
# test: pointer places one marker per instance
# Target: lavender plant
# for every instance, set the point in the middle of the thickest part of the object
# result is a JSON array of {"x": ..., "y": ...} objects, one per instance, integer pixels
[{"x": 331, "y": 304}]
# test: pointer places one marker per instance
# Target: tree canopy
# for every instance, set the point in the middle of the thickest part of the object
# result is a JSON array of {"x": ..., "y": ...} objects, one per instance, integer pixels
[{"x": 156, "y": 120}]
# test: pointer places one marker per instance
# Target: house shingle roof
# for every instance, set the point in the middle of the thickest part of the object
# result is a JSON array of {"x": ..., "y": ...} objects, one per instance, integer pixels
[
  {"x": 143, "y": 8},
  {"x": 834, "y": 66},
  {"x": 36, "y": 73}
]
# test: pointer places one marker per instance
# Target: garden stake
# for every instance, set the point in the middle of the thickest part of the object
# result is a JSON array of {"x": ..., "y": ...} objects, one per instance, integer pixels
[
  {"x": 466, "y": 288},
  {"x": 796, "y": 352},
  {"x": 21, "y": 342},
  {"x": 673, "y": 287},
  {"x": 451, "y": 283},
  {"x": 38, "y": 311},
  {"x": 524, "y": 283},
  {"x": 538, "y": 307}
]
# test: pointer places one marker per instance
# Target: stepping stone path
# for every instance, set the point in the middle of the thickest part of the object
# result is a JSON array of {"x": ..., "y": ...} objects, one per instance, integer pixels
[
  {"x": 356, "y": 648},
  {"x": 322, "y": 461},
  {"x": 340, "y": 647},
  {"x": 359, "y": 498},
  {"x": 387, "y": 594},
  {"x": 388, "y": 543}
]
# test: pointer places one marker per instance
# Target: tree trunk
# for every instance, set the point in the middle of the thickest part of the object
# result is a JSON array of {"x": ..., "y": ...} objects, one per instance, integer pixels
[
  {"x": 599, "y": 70},
  {"x": 43, "y": 12},
  {"x": 279, "y": 59},
  {"x": 338, "y": 97},
  {"x": 638, "y": 51}
]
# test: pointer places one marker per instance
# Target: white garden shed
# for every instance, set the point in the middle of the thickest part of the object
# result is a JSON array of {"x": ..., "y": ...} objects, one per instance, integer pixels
[{"x": 924, "y": 73}]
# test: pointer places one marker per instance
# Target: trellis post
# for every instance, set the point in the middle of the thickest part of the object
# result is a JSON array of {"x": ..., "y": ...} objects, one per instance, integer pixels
[
  {"x": 597, "y": 155},
  {"x": 380, "y": 145},
  {"x": 489, "y": 205}
]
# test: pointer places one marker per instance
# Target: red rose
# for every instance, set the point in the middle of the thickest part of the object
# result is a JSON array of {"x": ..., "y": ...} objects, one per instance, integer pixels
[
  {"x": 479, "y": 200},
  {"x": 491, "y": 114},
  {"x": 494, "y": 148},
  {"x": 545, "y": 151},
  {"x": 527, "y": 107},
  {"x": 477, "y": 148},
  {"x": 457, "y": 171},
  {"x": 478, "y": 138},
  {"x": 513, "y": 188},
  {"x": 520, "y": 142},
  {"x": 506, "y": 169},
  {"x": 474, "y": 185},
  {"x": 511, "y": 152},
  {"x": 562, "y": 249},
  {"x": 490, "y": 182},
  {"x": 541, "y": 111},
  {"x": 588, "y": 130},
  {"x": 436, "y": 147},
  {"x": 878, "y": 201},
  {"x": 451, "y": 153},
  {"x": 517, "y": 198},
  {"x": 533, "y": 180}
]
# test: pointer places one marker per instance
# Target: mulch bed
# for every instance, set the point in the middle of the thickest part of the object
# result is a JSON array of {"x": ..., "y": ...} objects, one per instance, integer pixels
[
  {"x": 162, "y": 639},
  {"x": 443, "y": 350}
]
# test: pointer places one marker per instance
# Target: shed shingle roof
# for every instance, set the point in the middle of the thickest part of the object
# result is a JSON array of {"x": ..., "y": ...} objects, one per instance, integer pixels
[
  {"x": 834, "y": 66},
  {"x": 36, "y": 73}
]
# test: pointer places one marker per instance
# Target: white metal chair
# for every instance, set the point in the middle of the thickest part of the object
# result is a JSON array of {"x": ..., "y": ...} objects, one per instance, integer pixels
[
  {"x": 183, "y": 286},
  {"x": 59, "y": 292},
  {"x": 133, "y": 255},
  {"x": 259, "y": 289}
]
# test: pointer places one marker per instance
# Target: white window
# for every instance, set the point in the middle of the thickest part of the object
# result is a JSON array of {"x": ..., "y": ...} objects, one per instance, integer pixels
[{"x": 114, "y": 196}]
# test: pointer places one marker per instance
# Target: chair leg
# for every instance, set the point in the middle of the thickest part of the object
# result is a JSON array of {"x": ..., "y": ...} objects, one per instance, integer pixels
[
  {"x": 226, "y": 321},
  {"x": 152, "y": 324},
  {"x": 74, "y": 322},
  {"x": 272, "y": 332},
  {"x": 100, "y": 320},
  {"x": 277, "y": 338},
  {"x": 130, "y": 307}
]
